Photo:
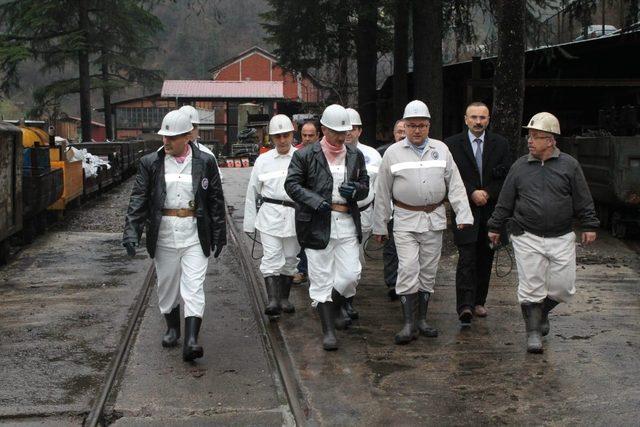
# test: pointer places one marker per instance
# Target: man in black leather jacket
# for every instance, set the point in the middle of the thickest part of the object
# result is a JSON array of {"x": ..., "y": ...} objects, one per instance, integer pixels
[
  {"x": 326, "y": 180},
  {"x": 178, "y": 199}
]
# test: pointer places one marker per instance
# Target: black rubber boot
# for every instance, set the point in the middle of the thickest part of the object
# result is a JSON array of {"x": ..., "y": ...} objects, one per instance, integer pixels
[
  {"x": 409, "y": 331},
  {"x": 190, "y": 349},
  {"x": 272, "y": 284},
  {"x": 351, "y": 312},
  {"x": 341, "y": 318},
  {"x": 285, "y": 290},
  {"x": 423, "y": 304},
  {"x": 170, "y": 338},
  {"x": 326, "y": 312},
  {"x": 549, "y": 305},
  {"x": 532, "y": 313}
]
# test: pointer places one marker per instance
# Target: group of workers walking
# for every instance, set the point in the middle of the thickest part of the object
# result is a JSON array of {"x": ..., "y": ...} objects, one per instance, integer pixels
[{"x": 317, "y": 204}]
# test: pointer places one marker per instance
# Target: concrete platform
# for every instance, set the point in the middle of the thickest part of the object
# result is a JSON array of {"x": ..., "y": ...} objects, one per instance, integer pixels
[{"x": 483, "y": 375}]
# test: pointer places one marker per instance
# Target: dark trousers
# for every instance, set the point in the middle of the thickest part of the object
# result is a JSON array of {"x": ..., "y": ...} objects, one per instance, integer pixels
[
  {"x": 473, "y": 272},
  {"x": 302, "y": 264},
  {"x": 390, "y": 259}
]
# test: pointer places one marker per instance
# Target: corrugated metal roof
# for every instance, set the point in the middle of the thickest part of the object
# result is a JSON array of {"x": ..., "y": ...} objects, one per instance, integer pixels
[{"x": 222, "y": 89}]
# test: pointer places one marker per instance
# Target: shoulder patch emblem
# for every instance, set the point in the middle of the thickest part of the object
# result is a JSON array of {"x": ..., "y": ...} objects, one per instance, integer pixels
[
  {"x": 205, "y": 183},
  {"x": 435, "y": 155}
]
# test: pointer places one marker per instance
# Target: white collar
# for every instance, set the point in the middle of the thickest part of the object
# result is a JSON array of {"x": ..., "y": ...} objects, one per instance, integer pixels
[{"x": 472, "y": 137}]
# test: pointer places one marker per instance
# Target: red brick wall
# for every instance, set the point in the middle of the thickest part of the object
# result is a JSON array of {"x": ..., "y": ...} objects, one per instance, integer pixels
[
  {"x": 230, "y": 72},
  {"x": 259, "y": 68},
  {"x": 255, "y": 67}
]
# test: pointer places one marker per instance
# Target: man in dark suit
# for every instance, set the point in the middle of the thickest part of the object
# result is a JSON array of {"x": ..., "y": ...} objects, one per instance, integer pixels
[{"x": 483, "y": 161}]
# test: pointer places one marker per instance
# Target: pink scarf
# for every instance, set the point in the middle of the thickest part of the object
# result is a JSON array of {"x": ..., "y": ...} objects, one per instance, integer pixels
[
  {"x": 183, "y": 157},
  {"x": 335, "y": 154}
]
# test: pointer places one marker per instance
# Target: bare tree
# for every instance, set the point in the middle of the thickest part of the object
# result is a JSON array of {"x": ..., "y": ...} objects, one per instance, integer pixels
[
  {"x": 367, "y": 58},
  {"x": 401, "y": 13},
  {"x": 427, "y": 59},
  {"x": 508, "y": 80}
]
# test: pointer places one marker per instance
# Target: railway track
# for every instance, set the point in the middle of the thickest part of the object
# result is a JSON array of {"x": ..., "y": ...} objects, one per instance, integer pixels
[{"x": 288, "y": 388}]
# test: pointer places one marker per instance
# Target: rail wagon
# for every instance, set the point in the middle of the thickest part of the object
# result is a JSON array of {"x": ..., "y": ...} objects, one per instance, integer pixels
[{"x": 611, "y": 166}]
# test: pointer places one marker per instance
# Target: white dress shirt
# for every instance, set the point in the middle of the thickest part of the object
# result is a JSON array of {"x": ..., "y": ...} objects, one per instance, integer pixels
[
  {"x": 267, "y": 179},
  {"x": 178, "y": 232}
]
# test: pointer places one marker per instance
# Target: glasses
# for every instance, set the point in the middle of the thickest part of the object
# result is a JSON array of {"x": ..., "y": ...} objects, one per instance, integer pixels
[
  {"x": 532, "y": 137},
  {"x": 418, "y": 127}
]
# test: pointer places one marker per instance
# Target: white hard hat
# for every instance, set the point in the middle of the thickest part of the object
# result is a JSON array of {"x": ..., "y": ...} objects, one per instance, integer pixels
[
  {"x": 280, "y": 124},
  {"x": 417, "y": 109},
  {"x": 545, "y": 122},
  {"x": 192, "y": 113},
  {"x": 336, "y": 118},
  {"x": 354, "y": 117},
  {"x": 175, "y": 123}
]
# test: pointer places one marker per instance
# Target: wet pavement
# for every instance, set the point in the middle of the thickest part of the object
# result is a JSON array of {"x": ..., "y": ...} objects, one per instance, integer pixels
[
  {"x": 66, "y": 299},
  {"x": 233, "y": 384},
  {"x": 587, "y": 374},
  {"x": 63, "y": 303}
]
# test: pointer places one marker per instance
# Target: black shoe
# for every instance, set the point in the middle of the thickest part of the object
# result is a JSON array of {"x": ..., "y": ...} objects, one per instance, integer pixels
[
  {"x": 272, "y": 284},
  {"x": 341, "y": 318},
  {"x": 532, "y": 313},
  {"x": 549, "y": 305},
  {"x": 170, "y": 338},
  {"x": 190, "y": 349},
  {"x": 351, "y": 312},
  {"x": 391, "y": 293},
  {"x": 409, "y": 331},
  {"x": 465, "y": 317},
  {"x": 326, "y": 312},
  {"x": 285, "y": 290},
  {"x": 423, "y": 304}
]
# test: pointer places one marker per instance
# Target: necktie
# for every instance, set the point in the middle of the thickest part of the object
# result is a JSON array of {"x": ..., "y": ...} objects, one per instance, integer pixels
[{"x": 478, "y": 142}]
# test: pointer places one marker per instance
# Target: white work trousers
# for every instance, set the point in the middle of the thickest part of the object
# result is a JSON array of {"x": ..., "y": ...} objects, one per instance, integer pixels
[
  {"x": 181, "y": 273},
  {"x": 279, "y": 255},
  {"x": 546, "y": 267},
  {"x": 336, "y": 266},
  {"x": 418, "y": 256}
]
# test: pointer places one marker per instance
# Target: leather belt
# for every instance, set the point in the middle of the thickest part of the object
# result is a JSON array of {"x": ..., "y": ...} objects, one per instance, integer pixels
[
  {"x": 180, "y": 213},
  {"x": 340, "y": 208},
  {"x": 279, "y": 202},
  {"x": 425, "y": 208},
  {"x": 365, "y": 207}
]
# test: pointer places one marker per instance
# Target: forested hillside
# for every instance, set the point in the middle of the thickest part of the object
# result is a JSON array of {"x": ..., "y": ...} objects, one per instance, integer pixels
[{"x": 197, "y": 35}]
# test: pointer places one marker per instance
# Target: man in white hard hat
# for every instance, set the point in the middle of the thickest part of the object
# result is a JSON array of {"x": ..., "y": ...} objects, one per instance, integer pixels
[
  {"x": 326, "y": 180},
  {"x": 372, "y": 161},
  {"x": 483, "y": 160},
  {"x": 178, "y": 197},
  {"x": 193, "y": 114},
  {"x": 276, "y": 218},
  {"x": 309, "y": 134},
  {"x": 417, "y": 174},
  {"x": 542, "y": 194}
]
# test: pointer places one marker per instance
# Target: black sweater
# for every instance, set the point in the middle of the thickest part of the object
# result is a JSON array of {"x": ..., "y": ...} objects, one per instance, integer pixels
[{"x": 544, "y": 197}]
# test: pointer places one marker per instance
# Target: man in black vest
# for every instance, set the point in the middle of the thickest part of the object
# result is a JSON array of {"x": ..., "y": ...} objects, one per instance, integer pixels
[{"x": 483, "y": 161}]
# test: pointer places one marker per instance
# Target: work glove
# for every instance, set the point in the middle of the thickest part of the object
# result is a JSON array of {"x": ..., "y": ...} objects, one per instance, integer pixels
[
  {"x": 347, "y": 190},
  {"x": 131, "y": 248},
  {"x": 324, "y": 207},
  {"x": 217, "y": 248}
]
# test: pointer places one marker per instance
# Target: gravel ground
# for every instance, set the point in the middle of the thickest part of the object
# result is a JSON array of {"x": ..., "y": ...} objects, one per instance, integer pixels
[{"x": 103, "y": 213}]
